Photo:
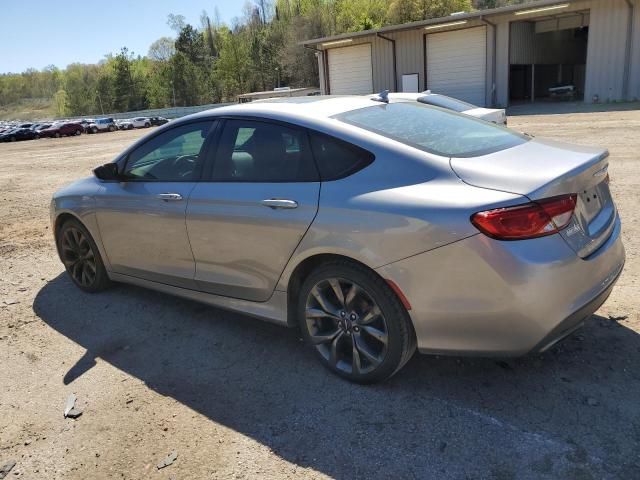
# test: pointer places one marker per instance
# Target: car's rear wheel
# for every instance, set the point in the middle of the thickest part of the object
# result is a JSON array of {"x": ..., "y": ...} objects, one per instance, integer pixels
[
  {"x": 111, "y": 128},
  {"x": 354, "y": 322},
  {"x": 81, "y": 257},
  {"x": 78, "y": 132},
  {"x": 94, "y": 129}
]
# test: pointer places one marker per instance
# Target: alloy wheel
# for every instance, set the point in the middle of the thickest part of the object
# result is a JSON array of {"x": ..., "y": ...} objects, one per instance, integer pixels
[
  {"x": 78, "y": 256},
  {"x": 346, "y": 326}
]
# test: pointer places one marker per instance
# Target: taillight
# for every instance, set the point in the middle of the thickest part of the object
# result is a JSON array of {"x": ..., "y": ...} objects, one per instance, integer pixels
[{"x": 531, "y": 220}]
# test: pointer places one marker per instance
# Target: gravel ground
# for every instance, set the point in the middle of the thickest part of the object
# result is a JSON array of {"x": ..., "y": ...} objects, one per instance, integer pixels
[{"x": 238, "y": 398}]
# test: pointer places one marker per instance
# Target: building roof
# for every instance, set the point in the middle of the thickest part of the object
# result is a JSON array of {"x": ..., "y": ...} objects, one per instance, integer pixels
[{"x": 476, "y": 14}]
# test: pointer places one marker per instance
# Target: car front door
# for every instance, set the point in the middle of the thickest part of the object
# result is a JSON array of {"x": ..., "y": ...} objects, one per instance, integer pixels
[
  {"x": 142, "y": 217},
  {"x": 249, "y": 214}
]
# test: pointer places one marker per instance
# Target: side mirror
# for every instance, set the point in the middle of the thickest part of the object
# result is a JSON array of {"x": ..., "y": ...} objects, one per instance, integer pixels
[{"x": 108, "y": 171}]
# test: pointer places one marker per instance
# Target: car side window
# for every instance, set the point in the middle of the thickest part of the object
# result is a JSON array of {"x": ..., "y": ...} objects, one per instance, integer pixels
[
  {"x": 173, "y": 156},
  {"x": 256, "y": 151},
  {"x": 336, "y": 158}
]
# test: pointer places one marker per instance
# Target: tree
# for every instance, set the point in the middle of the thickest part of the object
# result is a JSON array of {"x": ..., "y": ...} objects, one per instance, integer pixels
[
  {"x": 61, "y": 102},
  {"x": 162, "y": 49},
  {"x": 191, "y": 43},
  {"x": 176, "y": 22},
  {"x": 128, "y": 82},
  {"x": 403, "y": 11}
]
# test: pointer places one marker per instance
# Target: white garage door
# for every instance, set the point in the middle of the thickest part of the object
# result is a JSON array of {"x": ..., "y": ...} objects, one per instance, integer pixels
[
  {"x": 456, "y": 64},
  {"x": 350, "y": 70}
]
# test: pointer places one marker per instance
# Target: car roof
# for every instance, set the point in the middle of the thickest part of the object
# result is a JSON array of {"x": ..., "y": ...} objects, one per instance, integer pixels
[{"x": 318, "y": 106}]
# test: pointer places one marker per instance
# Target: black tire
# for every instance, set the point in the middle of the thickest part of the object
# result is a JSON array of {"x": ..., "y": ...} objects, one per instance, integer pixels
[
  {"x": 57, "y": 134},
  {"x": 13, "y": 139},
  {"x": 399, "y": 342},
  {"x": 147, "y": 125},
  {"x": 76, "y": 260},
  {"x": 111, "y": 128},
  {"x": 94, "y": 129},
  {"x": 78, "y": 132}
]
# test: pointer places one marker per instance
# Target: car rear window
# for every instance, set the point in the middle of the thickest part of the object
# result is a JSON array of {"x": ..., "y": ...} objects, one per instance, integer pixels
[{"x": 433, "y": 129}]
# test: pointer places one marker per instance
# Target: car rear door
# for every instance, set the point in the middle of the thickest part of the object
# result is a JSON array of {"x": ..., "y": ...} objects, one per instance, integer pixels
[
  {"x": 142, "y": 217},
  {"x": 247, "y": 217}
]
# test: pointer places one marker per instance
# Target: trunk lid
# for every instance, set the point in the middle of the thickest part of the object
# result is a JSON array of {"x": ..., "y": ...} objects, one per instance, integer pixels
[{"x": 542, "y": 169}]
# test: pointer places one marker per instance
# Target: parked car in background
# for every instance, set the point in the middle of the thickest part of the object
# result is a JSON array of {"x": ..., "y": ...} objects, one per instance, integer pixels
[
  {"x": 62, "y": 129},
  {"x": 375, "y": 228},
  {"x": 141, "y": 122},
  {"x": 85, "y": 122},
  {"x": 125, "y": 124},
  {"x": 157, "y": 121},
  {"x": 25, "y": 125},
  {"x": 42, "y": 126},
  {"x": 16, "y": 134},
  {"x": 494, "y": 115},
  {"x": 103, "y": 125}
]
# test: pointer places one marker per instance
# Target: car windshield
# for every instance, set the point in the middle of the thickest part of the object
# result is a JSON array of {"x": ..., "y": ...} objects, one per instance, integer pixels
[
  {"x": 446, "y": 102},
  {"x": 433, "y": 129}
]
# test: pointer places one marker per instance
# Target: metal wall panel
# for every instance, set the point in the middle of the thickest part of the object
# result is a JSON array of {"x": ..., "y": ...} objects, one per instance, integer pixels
[
  {"x": 634, "y": 77},
  {"x": 502, "y": 64},
  {"x": 409, "y": 55},
  {"x": 606, "y": 51},
  {"x": 522, "y": 50},
  {"x": 321, "y": 74}
]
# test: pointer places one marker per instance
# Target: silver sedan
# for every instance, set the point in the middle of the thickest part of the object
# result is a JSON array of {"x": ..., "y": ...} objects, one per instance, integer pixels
[{"x": 376, "y": 228}]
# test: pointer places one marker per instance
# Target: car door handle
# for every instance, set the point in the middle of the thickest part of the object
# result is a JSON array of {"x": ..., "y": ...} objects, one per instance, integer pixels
[
  {"x": 279, "y": 203},
  {"x": 170, "y": 197}
]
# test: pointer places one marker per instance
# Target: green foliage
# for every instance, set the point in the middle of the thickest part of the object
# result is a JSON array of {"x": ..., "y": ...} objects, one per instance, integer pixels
[{"x": 213, "y": 62}]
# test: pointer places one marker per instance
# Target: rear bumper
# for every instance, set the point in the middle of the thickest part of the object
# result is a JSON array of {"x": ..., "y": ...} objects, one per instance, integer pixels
[
  {"x": 575, "y": 320},
  {"x": 481, "y": 296}
]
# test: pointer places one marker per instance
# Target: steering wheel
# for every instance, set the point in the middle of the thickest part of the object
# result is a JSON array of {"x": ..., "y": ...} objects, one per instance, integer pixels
[{"x": 185, "y": 164}]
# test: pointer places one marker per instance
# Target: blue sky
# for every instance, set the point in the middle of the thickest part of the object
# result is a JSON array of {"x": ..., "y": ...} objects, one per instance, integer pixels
[{"x": 38, "y": 33}]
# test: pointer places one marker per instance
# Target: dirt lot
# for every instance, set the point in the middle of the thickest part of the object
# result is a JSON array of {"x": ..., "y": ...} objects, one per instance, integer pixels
[{"x": 238, "y": 398}]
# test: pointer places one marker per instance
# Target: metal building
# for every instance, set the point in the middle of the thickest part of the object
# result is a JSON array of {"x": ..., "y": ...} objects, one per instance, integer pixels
[{"x": 495, "y": 57}]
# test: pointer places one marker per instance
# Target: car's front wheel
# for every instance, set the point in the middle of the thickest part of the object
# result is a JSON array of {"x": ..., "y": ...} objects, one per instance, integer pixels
[
  {"x": 354, "y": 322},
  {"x": 81, "y": 257}
]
